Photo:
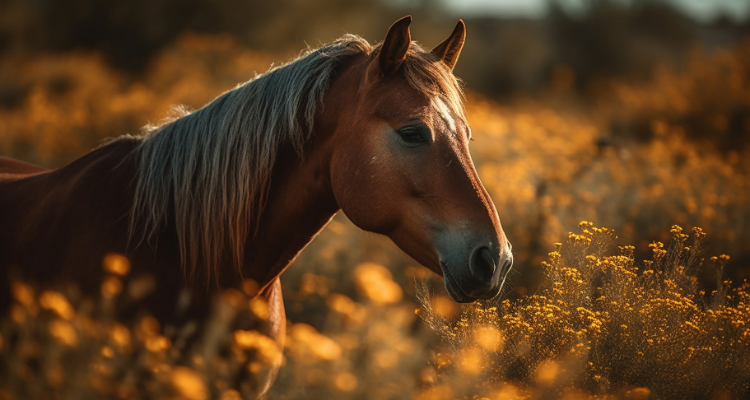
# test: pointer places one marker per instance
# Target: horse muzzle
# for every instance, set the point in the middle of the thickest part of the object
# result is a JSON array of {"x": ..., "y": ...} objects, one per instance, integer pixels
[{"x": 478, "y": 274}]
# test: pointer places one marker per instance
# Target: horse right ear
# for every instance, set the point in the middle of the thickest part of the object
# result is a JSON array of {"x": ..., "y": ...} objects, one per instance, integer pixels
[
  {"x": 396, "y": 45},
  {"x": 450, "y": 48}
]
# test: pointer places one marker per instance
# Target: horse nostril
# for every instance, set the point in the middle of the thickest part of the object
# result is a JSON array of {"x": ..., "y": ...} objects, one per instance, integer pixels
[
  {"x": 482, "y": 265},
  {"x": 507, "y": 265}
]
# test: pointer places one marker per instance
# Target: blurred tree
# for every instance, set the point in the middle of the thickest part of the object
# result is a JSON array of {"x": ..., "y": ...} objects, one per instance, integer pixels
[
  {"x": 503, "y": 57},
  {"x": 613, "y": 39},
  {"x": 129, "y": 32}
]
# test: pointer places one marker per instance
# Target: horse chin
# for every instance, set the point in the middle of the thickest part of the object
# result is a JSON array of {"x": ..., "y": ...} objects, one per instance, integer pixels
[
  {"x": 494, "y": 293},
  {"x": 459, "y": 295},
  {"x": 455, "y": 291}
]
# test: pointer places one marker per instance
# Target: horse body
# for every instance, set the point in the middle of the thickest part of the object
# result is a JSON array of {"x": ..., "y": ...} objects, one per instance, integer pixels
[
  {"x": 79, "y": 214},
  {"x": 379, "y": 133},
  {"x": 59, "y": 225}
]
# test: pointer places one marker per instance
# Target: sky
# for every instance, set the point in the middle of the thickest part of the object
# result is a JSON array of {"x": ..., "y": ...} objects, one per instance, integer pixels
[{"x": 702, "y": 10}]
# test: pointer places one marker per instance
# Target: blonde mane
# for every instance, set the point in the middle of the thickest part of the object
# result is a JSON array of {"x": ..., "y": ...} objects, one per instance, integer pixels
[{"x": 213, "y": 167}]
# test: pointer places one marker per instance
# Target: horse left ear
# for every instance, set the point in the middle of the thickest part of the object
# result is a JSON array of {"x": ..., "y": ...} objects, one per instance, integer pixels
[
  {"x": 449, "y": 50},
  {"x": 395, "y": 46}
]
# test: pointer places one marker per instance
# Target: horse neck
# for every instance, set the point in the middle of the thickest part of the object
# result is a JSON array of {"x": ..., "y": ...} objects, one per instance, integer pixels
[
  {"x": 299, "y": 204},
  {"x": 301, "y": 200}
]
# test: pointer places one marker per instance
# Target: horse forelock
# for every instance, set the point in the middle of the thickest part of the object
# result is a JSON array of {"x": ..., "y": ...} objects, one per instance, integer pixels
[
  {"x": 212, "y": 167},
  {"x": 431, "y": 77}
]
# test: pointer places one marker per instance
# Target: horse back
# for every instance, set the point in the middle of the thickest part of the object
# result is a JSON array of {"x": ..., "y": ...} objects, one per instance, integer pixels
[
  {"x": 57, "y": 224},
  {"x": 12, "y": 169}
]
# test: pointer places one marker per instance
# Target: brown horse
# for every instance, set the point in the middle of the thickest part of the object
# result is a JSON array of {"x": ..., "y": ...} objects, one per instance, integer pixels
[{"x": 236, "y": 189}]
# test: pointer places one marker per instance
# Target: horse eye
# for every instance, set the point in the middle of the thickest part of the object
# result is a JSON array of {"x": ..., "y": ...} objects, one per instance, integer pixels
[{"x": 414, "y": 134}]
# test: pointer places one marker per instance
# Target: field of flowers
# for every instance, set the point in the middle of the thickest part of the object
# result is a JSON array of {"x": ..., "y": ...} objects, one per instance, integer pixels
[
  {"x": 580, "y": 321},
  {"x": 604, "y": 325}
]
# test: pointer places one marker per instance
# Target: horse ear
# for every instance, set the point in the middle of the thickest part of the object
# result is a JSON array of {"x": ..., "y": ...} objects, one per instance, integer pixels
[
  {"x": 395, "y": 46},
  {"x": 449, "y": 50}
]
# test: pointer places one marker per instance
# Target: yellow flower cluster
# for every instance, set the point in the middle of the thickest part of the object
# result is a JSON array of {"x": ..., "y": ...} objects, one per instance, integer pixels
[
  {"x": 63, "y": 342},
  {"x": 603, "y": 323}
]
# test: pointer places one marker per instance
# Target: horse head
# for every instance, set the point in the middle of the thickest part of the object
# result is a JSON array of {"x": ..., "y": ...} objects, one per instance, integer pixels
[{"x": 402, "y": 166}]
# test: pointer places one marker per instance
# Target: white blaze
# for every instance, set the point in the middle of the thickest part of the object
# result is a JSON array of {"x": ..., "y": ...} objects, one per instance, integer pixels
[{"x": 445, "y": 113}]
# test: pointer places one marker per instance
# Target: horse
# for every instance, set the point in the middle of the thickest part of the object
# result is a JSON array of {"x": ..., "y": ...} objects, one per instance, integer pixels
[{"x": 236, "y": 189}]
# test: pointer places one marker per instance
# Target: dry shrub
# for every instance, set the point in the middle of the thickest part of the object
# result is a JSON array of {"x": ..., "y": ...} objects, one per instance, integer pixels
[
  {"x": 708, "y": 98},
  {"x": 58, "y": 344},
  {"x": 546, "y": 170},
  {"x": 603, "y": 324}
]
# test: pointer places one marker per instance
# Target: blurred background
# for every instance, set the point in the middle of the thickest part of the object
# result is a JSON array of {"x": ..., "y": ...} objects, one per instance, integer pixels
[{"x": 632, "y": 114}]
